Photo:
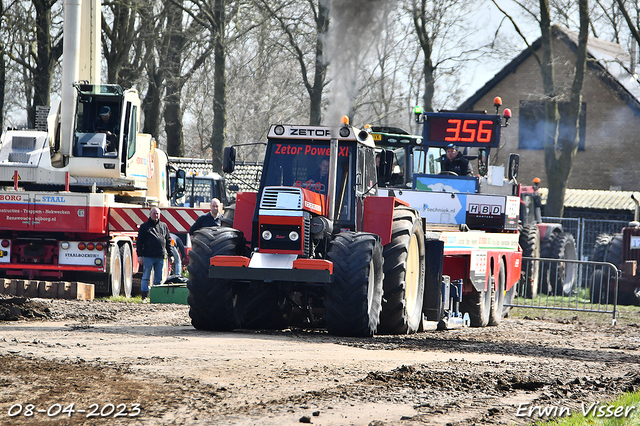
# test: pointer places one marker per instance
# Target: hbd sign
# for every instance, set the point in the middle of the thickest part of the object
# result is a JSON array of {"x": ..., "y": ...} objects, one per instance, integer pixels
[{"x": 485, "y": 209}]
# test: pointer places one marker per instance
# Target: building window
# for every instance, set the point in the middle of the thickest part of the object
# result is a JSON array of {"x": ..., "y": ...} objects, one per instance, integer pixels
[{"x": 531, "y": 124}]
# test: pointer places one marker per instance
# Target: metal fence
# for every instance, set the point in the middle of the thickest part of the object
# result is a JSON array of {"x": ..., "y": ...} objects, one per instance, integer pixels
[
  {"x": 570, "y": 285},
  {"x": 585, "y": 231}
]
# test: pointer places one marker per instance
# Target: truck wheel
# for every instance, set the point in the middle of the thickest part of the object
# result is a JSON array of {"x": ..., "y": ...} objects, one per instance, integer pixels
[
  {"x": 497, "y": 297},
  {"x": 115, "y": 270},
  {"x": 127, "y": 269},
  {"x": 262, "y": 308},
  {"x": 562, "y": 276},
  {"x": 353, "y": 301},
  {"x": 213, "y": 302},
  {"x": 530, "y": 275},
  {"x": 404, "y": 271},
  {"x": 478, "y": 306},
  {"x": 228, "y": 215}
]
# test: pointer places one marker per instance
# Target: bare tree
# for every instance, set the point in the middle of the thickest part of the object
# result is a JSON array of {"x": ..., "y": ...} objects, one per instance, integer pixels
[
  {"x": 442, "y": 27},
  {"x": 38, "y": 62},
  {"x": 305, "y": 41}
]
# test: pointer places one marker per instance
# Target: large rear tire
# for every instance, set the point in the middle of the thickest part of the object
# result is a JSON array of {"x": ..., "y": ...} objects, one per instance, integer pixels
[
  {"x": 562, "y": 277},
  {"x": 262, "y": 308},
  {"x": 530, "y": 275},
  {"x": 213, "y": 303},
  {"x": 353, "y": 301},
  {"x": 404, "y": 271},
  {"x": 498, "y": 296},
  {"x": 228, "y": 215},
  {"x": 599, "y": 282},
  {"x": 127, "y": 269},
  {"x": 478, "y": 306},
  {"x": 599, "y": 252}
]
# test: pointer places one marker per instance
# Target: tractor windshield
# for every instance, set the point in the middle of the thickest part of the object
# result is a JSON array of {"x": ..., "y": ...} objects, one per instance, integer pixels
[
  {"x": 302, "y": 164},
  {"x": 305, "y": 164}
]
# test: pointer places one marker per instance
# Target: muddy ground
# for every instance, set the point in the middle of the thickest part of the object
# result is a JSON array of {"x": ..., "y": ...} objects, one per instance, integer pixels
[{"x": 67, "y": 362}]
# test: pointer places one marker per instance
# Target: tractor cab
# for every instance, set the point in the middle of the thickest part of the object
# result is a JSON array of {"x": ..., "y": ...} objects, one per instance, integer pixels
[{"x": 313, "y": 185}]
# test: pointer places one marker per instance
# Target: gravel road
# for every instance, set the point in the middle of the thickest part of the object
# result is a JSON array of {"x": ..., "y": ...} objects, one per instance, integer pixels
[{"x": 63, "y": 362}]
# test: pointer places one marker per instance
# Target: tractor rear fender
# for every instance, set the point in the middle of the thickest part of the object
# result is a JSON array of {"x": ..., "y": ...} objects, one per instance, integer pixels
[
  {"x": 546, "y": 229},
  {"x": 245, "y": 207},
  {"x": 378, "y": 216}
]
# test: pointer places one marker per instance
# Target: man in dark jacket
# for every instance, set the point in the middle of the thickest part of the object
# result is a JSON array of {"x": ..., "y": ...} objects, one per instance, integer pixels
[
  {"x": 454, "y": 161},
  {"x": 154, "y": 241},
  {"x": 213, "y": 218}
]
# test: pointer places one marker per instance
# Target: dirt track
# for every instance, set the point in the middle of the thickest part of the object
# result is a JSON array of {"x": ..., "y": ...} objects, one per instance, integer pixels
[{"x": 104, "y": 353}]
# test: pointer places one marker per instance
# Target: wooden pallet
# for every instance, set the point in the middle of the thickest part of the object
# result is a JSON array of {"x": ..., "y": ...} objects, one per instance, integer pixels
[{"x": 47, "y": 289}]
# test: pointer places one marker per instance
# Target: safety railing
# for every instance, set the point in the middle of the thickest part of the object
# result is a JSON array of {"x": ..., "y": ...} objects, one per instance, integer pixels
[{"x": 570, "y": 285}]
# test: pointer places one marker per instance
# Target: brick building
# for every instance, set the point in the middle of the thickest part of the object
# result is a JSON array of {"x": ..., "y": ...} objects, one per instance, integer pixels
[{"x": 609, "y": 154}]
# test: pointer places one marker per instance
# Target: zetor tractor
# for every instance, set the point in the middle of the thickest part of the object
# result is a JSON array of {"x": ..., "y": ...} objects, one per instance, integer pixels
[
  {"x": 315, "y": 246},
  {"x": 546, "y": 240}
]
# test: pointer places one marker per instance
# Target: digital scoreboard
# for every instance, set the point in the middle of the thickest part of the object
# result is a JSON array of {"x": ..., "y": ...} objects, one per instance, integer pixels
[{"x": 473, "y": 130}]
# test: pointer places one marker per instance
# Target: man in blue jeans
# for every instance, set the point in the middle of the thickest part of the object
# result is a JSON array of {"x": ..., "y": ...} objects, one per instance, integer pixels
[{"x": 154, "y": 241}]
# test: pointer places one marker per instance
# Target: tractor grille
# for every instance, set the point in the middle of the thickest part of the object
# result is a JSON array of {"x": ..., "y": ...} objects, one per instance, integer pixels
[
  {"x": 307, "y": 233},
  {"x": 281, "y": 198}
]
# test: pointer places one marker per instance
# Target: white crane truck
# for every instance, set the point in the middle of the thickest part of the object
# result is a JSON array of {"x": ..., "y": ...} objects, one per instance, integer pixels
[{"x": 72, "y": 196}]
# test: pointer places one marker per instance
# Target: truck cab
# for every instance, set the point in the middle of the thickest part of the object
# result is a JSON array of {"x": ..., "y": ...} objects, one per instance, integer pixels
[{"x": 115, "y": 158}]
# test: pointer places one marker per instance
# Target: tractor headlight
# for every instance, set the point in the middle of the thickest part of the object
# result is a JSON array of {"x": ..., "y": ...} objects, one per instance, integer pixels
[
  {"x": 266, "y": 235},
  {"x": 293, "y": 236}
]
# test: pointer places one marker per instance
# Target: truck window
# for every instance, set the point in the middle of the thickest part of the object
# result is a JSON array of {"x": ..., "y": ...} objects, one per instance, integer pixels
[{"x": 132, "y": 132}]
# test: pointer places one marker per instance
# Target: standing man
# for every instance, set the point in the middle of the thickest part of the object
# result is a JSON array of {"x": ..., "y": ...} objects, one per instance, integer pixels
[
  {"x": 154, "y": 241},
  {"x": 454, "y": 161},
  {"x": 213, "y": 218}
]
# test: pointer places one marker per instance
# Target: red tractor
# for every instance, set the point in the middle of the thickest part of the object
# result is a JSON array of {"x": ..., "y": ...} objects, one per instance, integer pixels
[
  {"x": 623, "y": 251},
  {"x": 315, "y": 246},
  {"x": 545, "y": 240}
]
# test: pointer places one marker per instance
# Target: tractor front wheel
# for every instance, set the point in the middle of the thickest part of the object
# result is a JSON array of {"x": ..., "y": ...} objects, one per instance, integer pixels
[{"x": 353, "y": 301}]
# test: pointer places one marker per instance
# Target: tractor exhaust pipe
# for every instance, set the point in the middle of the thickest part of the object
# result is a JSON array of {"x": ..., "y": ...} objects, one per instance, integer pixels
[
  {"x": 332, "y": 181},
  {"x": 636, "y": 213}
]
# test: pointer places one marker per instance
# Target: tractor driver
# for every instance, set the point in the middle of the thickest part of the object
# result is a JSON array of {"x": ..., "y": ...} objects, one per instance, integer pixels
[
  {"x": 105, "y": 123},
  {"x": 454, "y": 161},
  {"x": 321, "y": 175}
]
